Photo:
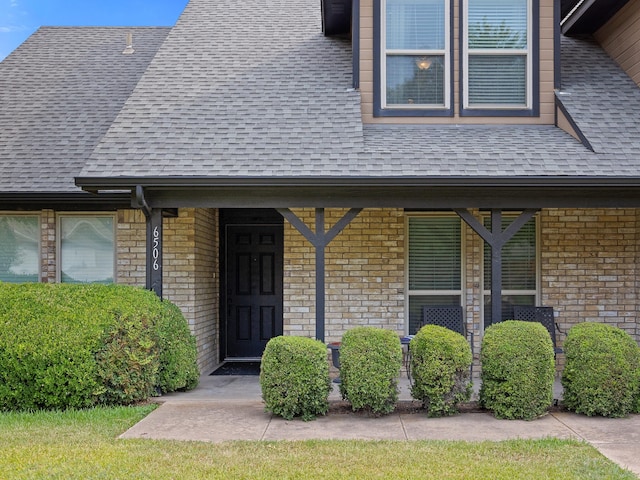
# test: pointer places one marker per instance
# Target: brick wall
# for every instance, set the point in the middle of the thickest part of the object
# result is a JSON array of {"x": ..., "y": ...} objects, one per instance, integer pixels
[
  {"x": 589, "y": 270},
  {"x": 131, "y": 248},
  {"x": 48, "y": 250},
  {"x": 590, "y": 266},
  {"x": 364, "y": 274},
  {"x": 190, "y": 265}
]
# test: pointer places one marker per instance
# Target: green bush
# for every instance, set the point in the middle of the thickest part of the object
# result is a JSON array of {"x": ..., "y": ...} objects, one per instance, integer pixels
[
  {"x": 294, "y": 377},
  {"x": 440, "y": 362},
  {"x": 518, "y": 370},
  {"x": 178, "y": 369},
  {"x": 77, "y": 346},
  {"x": 602, "y": 371},
  {"x": 370, "y": 361}
]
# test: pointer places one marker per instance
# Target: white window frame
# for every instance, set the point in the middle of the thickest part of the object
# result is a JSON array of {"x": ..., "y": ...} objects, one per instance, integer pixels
[
  {"x": 466, "y": 52},
  {"x": 39, "y": 217},
  {"x": 463, "y": 262},
  {"x": 446, "y": 53},
  {"x": 60, "y": 216},
  {"x": 536, "y": 293}
]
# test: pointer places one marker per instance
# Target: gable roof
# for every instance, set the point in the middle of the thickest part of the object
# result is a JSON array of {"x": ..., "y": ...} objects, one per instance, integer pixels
[{"x": 60, "y": 91}]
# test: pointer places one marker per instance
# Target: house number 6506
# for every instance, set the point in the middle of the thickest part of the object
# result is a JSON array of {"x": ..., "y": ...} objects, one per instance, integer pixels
[{"x": 156, "y": 248}]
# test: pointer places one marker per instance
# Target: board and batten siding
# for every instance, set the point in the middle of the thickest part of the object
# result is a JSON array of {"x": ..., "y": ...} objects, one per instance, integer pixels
[
  {"x": 620, "y": 38},
  {"x": 547, "y": 108}
]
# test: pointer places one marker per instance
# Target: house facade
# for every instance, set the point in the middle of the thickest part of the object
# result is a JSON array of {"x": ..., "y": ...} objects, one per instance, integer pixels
[{"x": 271, "y": 178}]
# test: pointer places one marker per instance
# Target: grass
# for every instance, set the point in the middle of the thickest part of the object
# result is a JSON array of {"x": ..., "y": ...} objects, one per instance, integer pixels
[{"x": 84, "y": 444}]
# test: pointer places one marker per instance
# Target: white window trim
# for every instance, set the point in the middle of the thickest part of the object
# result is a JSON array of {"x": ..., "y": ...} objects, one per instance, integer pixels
[
  {"x": 384, "y": 52},
  {"x": 466, "y": 52},
  {"x": 60, "y": 215},
  {"x": 536, "y": 292},
  {"x": 463, "y": 262},
  {"x": 38, "y": 215}
]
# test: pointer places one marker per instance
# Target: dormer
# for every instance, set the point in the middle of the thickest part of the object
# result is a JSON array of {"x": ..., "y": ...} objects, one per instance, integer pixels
[{"x": 454, "y": 61}]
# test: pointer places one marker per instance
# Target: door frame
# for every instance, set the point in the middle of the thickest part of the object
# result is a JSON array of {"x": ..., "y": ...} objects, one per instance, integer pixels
[{"x": 239, "y": 217}]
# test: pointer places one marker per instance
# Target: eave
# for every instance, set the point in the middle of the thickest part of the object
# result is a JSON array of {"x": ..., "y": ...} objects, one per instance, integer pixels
[
  {"x": 371, "y": 192},
  {"x": 590, "y": 15},
  {"x": 78, "y": 201}
]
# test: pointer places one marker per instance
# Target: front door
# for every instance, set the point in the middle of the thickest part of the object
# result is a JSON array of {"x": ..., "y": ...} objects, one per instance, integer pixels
[{"x": 253, "y": 281}]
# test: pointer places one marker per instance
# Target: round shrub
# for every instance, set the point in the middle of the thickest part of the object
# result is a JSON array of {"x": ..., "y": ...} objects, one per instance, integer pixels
[
  {"x": 440, "y": 362},
  {"x": 518, "y": 369},
  {"x": 602, "y": 371},
  {"x": 65, "y": 345},
  {"x": 294, "y": 377},
  {"x": 178, "y": 369},
  {"x": 370, "y": 362}
]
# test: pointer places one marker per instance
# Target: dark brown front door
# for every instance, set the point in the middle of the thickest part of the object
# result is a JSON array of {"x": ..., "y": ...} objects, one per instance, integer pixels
[{"x": 253, "y": 263}]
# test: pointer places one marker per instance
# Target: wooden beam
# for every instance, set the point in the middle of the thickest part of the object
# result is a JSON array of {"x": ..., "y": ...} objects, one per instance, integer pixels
[{"x": 319, "y": 239}]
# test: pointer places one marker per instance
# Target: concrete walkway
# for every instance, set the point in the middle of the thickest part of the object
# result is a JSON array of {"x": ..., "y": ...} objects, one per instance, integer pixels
[{"x": 230, "y": 408}]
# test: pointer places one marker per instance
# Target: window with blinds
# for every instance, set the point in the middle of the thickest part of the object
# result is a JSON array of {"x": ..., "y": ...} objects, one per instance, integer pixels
[
  {"x": 497, "y": 54},
  {"x": 86, "y": 246},
  {"x": 19, "y": 248},
  {"x": 519, "y": 270},
  {"x": 434, "y": 264},
  {"x": 415, "y": 50}
]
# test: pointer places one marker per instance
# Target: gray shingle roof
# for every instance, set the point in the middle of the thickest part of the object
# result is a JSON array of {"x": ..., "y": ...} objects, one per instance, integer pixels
[
  {"x": 59, "y": 93},
  {"x": 253, "y": 89},
  {"x": 240, "y": 88},
  {"x": 601, "y": 98}
]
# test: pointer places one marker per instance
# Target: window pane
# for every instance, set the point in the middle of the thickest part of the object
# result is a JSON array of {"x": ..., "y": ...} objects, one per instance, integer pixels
[
  {"x": 416, "y": 302},
  {"x": 415, "y": 24},
  {"x": 498, "y": 24},
  {"x": 434, "y": 253},
  {"x": 415, "y": 80},
  {"x": 498, "y": 79},
  {"x": 87, "y": 249},
  {"x": 19, "y": 245},
  {"x": 518, "y": 258}
]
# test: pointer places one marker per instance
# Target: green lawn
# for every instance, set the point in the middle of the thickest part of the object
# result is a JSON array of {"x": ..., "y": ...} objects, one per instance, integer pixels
[{"x": 83, "y": 444}]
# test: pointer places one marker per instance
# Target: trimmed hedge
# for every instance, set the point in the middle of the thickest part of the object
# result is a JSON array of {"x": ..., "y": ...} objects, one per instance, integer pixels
[
  {"x": 440, "y": 362},
  {"x": 370, "y": 362},
  {"x": 294, "y": 377},
  {"x": 518, "y": 370},
  {"x": 75, "y": 346},
  {"x": 602, "y": 371}
]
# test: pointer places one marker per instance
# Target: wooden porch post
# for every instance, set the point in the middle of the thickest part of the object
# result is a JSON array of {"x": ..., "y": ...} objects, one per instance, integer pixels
[
  {"x": 153, "y": 218},
  {"x": 319, "y": 240},
  {"x": 496, "y": 238}
]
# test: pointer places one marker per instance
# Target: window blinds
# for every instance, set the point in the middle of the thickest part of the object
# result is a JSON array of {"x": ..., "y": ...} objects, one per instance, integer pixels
[{"x": 434, "y": 253}]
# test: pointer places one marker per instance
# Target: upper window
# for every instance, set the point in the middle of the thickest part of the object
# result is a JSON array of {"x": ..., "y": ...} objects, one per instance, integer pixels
[
  {"x": 413, "y": 60},
  {"x": 497, "y": 55},
  {"x": 19, "y": 248},
  {"x": 87, "y": 252}
]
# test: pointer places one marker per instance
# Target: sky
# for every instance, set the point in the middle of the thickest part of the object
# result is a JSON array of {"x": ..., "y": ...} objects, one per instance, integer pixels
[{"x": 20, "y": 18}]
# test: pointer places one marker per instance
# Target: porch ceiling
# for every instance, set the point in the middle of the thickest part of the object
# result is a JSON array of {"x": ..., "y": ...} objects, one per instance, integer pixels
[{"x": 431, "y": 193}]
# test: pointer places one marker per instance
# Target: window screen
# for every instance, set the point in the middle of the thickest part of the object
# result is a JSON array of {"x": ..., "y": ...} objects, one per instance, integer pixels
[
  {"x": 19, "y": 248},
  {"x": 87, "y": 249},
  {"x": 415, "y": 44},
  {"x": 498, "y": 50},
  {"x": 435, "y": 264}
]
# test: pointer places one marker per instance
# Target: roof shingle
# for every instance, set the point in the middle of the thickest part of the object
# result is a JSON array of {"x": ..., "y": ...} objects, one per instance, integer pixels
[{"x": 60, "y": 91}]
